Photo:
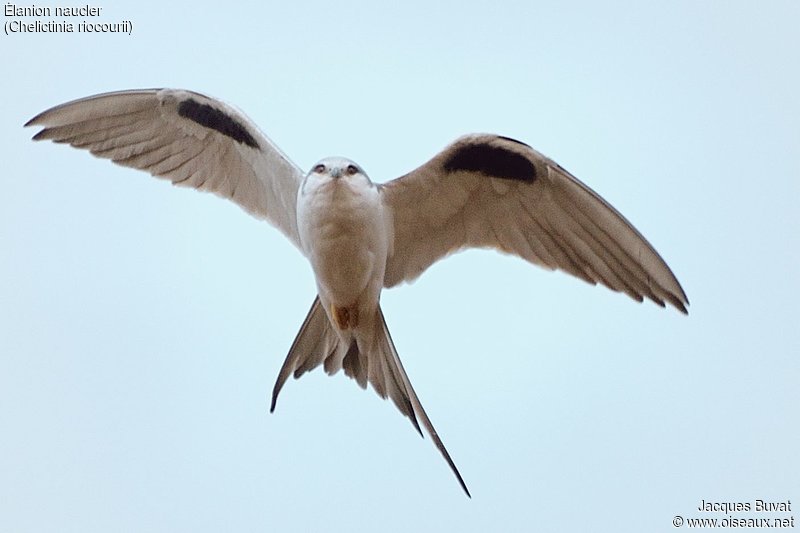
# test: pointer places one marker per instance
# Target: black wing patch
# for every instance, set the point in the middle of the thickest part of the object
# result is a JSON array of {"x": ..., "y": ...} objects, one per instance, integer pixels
[
  {"x": 207, "y": 116},
  {"x": 494, "y": 161}
]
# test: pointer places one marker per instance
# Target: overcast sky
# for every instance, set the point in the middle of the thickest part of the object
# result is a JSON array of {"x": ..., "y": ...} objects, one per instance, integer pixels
[{"x": 142, "y": 326}]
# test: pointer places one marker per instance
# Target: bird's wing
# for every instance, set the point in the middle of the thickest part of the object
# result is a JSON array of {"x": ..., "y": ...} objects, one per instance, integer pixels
[
  {"x": 486, "y": 191},
  {"x": 188, "y": 138}
]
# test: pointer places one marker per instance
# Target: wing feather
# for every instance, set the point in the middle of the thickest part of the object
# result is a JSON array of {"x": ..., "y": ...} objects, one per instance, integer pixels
[
  {"x": 486, "y": 191},
  {"x": 187, "y": 138}
]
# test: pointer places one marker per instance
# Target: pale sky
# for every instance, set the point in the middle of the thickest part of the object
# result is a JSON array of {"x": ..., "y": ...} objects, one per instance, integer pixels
[{"x": 142, "y": 326}]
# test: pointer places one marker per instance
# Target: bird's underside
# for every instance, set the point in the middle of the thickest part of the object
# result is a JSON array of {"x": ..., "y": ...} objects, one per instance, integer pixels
[
  {"x": 345, "y": 317},
  {"x": 481, "y": 191}
]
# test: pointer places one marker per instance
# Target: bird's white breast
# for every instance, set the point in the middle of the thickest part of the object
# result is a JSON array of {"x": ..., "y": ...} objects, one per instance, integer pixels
[{"x": 342, "y": 230}]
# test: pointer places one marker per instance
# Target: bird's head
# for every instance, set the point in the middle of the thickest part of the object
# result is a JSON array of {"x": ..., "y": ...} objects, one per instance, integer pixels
[{"x": 338, "y": 168}]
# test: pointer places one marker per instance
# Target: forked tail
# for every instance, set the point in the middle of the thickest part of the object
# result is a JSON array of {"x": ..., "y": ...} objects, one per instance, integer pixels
[{"x": 317, "y": 343}]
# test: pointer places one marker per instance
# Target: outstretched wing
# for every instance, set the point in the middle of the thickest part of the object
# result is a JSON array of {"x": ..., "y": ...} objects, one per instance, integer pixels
[
  {"x": 486, "y": 191},
  {"x": 188, "y": 138}
]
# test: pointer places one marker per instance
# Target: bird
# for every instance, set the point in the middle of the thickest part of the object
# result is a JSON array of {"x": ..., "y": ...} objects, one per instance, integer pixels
[{"x": 360, "y": 237}]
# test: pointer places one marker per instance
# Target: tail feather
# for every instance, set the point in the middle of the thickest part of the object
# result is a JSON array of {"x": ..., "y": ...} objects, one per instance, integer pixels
[
  {"x": 398, "y": 370},
  {"x": 311, "y": 346},
  {"x": 317, "y": 343},
  {"x": 354, "y": 365}
]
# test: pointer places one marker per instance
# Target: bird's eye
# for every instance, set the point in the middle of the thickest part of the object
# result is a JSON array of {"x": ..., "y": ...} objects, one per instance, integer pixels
[
  {"x": 319, "y": 169},
  {"x": 352, "y": 170}
]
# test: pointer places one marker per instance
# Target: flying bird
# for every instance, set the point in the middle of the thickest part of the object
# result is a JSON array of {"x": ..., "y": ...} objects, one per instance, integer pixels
[{"x": 481, "y": 191}]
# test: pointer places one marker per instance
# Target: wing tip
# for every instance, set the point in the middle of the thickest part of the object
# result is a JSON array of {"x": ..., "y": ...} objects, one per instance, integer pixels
[
  {"x": 679, "y": 302},
  {"x": 41, "y": 135},
  {"x": 40, "y": 119}
]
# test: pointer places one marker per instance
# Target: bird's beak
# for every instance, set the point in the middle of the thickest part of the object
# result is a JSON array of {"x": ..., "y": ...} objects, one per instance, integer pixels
[{"x": 336, "y": 172}]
